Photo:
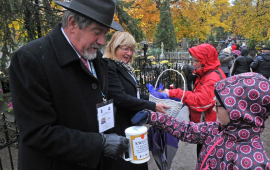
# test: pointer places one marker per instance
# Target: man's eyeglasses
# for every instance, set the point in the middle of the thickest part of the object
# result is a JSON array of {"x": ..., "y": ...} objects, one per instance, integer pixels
[
  {"x": 217, "y": 105},
  {"x": 127, "y": 49}
]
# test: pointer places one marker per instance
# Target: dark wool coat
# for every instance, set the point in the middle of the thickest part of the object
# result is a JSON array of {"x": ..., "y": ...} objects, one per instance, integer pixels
[
  {"x": 123, "y": 90},
  {"x": 262, "y": 65},
  {"x": 54, "y": 97},
  {"x": 246, "y": 98},
  {"x": 242, "y": 65}
]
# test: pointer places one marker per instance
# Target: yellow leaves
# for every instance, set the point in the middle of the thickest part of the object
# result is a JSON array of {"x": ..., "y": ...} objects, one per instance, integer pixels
[
  {"x": 15, "y": 25},
  {"x": 251, "y": 20},
  {"x": 222, "y": 3},
  {"x": 148, "y": 15},
  {"x": 55, "y": 5},
  {"x": 188, "y": 19},
  {"x": 116, "y": 18},
  {"x": 16, "y": 28}
]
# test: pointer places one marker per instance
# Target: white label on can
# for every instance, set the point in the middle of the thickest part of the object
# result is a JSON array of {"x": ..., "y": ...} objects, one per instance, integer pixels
[{"x": 140, "y": 146}]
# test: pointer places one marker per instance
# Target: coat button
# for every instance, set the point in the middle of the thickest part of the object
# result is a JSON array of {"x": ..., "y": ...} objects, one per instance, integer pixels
[{"x": 94, "y": 85}]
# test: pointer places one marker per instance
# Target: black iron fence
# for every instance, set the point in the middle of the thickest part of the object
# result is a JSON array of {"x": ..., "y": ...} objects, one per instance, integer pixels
[
  {"x": 9, "y": 135},
  {"x": 148, "y": 68},
  {"x": 9, "y": 138}
]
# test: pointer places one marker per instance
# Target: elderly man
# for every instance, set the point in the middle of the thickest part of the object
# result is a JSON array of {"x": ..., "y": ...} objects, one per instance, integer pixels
[
  {"x": 59, "y": 85},
  {"x": 262, "y": 63}
]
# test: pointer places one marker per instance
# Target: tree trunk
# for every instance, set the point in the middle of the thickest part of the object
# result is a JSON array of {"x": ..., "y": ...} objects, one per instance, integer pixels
[{"x": 37, "y": 19}]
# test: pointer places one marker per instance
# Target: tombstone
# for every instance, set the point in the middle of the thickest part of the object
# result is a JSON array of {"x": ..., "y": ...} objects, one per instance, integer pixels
[
  {"x": 184, "y": 44},
  {"x": 161, "y": 57},
  {"x": 145, "y": 47},
  {"x": 174, "y": 65}
]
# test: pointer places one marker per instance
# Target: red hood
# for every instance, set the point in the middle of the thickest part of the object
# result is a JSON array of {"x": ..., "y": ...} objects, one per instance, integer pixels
[{"x": 207, "y": 55}]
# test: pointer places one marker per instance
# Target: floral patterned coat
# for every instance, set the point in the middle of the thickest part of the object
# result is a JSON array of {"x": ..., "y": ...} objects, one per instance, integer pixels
[{"x": 247, "y": 100}]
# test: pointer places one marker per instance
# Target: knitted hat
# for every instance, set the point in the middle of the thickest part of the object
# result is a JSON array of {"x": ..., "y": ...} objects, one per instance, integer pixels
[{"x": 227, "y": 50}]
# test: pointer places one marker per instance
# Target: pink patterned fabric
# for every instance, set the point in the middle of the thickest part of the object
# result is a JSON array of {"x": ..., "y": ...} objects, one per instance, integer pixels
[
  {"x": 247, "y": 99},
  {"x": 236, "y": 52}
]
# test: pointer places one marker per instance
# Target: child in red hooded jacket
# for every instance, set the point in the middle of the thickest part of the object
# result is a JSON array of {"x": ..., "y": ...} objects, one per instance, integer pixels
[{"x": 200, "y": 100}]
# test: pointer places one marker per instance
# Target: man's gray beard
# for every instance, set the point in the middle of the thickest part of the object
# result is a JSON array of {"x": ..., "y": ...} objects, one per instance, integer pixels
[{"x": 89, "y": 56}]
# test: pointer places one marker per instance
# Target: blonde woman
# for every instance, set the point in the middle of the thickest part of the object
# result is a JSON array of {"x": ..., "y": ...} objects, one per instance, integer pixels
[{"x": 123, "y": 89}]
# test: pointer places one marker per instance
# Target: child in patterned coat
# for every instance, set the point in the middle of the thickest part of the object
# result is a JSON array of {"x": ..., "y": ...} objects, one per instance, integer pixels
[{"x": 233, "y": 142}]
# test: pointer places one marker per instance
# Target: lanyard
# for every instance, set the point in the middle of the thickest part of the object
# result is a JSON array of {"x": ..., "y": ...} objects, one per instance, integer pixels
[
  {"x": 138, "y": 93},
  {"x": 133, "y": 78},
  {"x": 93, "y": 71},
  {"x": 92, "y": 68}
]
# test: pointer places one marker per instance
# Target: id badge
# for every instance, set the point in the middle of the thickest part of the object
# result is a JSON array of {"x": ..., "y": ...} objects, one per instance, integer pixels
[{"x": 105, "y": 115}]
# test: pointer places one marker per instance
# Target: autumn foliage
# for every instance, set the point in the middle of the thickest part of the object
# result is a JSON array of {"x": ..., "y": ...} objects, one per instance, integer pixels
[
  {"x": 196, "y": 19},
  {"x": 192, "y": 19}
]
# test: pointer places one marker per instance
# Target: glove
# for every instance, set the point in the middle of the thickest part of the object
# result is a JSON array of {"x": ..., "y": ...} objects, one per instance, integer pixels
[
  {"x": 114, "y": 146},
  {"x": 140, "y": 117}
]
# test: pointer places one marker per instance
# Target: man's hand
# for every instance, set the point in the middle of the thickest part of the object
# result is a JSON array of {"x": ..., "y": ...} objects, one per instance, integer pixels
[
  {"x": 114, "y": 146},
  {"x": 166, "y": 91},
  {"x": 161, "y": 108}
]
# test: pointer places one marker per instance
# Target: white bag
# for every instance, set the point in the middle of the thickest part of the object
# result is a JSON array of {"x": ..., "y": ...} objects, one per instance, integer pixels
[{"x": 183, "y": 114}]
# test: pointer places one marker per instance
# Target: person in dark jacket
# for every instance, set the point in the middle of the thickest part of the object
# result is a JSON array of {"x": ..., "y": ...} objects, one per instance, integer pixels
[
  {"x": 262, "y": 63},
  {"x": 225, "y": 59},
  {"x": 123, "y": 89},
  {"x": 242, "y": 63},
  {"x": 237, "y": 46},
  {"x": 190, "y": 77},
  {"x": 55, "y": 93}
]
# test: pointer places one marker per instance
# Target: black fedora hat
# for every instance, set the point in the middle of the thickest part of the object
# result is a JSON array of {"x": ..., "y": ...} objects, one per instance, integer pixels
[{"x": 101, "y": 11}]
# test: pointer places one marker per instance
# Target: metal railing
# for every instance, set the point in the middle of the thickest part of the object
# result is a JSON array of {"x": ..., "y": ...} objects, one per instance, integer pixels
[
  {"x": 147, "y": 69},
  {"x": 9, "y": 137}
]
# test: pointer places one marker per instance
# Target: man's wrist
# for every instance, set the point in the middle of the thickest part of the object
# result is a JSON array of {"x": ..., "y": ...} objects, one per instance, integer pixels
[{"x": 103, "y": 139}]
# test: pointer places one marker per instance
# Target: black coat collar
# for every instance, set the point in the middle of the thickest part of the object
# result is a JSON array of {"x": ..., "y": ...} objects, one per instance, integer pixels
[{"x": 66, "y": 54}]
